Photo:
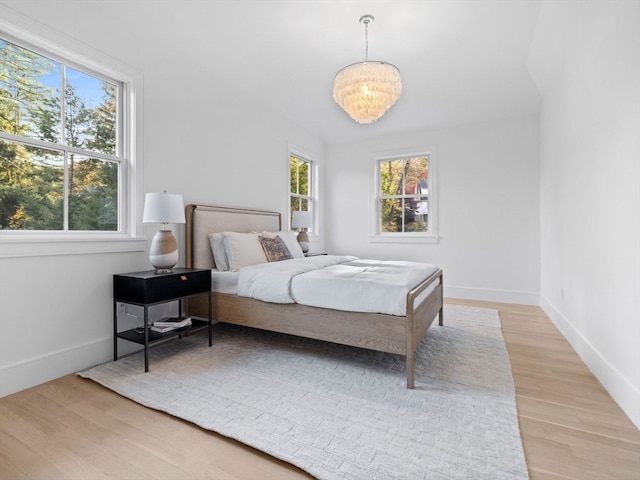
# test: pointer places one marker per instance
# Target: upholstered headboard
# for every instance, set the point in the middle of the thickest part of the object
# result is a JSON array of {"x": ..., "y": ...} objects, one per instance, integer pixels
[{"x": 205, "y": 219}]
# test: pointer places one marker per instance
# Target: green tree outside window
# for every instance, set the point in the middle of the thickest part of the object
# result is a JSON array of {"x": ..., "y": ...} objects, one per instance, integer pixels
[
  {"x": 404, "y": 195},
  {"x": 59, "y": 168},
  {"x": 300, "y": 195}
]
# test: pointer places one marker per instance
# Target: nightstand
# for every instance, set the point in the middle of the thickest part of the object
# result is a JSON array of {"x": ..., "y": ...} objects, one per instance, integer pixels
[{"x": 149, "y": 288}]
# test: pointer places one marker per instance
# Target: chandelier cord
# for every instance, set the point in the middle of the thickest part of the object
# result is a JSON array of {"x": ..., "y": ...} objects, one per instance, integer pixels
[
  {"x": 365, "y": 20},
  {"x": 366, "y": 40}
]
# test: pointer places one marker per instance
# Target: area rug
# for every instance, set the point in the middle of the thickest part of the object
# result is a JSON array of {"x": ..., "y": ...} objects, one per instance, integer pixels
[{"x": 341, "y": 412}]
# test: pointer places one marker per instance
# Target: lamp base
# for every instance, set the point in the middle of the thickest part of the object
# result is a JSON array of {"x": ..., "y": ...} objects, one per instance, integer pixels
[
  {"x": 163, "y": 252},
  {"x": 303, "y": 240}
]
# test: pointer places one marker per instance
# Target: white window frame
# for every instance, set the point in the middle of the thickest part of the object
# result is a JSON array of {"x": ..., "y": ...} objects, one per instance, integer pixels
[
  {"x": 129, "y": 238},
  {"x": 431, "y": 235},
  {"x": 310, "y": 157}
]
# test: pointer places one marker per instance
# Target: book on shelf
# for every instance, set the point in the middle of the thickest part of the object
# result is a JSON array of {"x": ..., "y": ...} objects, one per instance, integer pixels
[
  {"x": 153, "y": 328},
  {"x": 175, "y": 322}
]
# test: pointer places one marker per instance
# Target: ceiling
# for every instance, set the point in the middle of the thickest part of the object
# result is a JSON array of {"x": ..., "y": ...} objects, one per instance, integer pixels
[{"x": 461, "y": 61}]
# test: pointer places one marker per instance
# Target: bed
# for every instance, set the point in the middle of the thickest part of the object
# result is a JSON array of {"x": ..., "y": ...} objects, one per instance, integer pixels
[{"x": 397, "y": 334}]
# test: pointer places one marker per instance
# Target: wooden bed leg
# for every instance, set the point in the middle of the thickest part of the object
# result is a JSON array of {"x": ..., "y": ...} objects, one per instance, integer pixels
[
  {"x": 410, "y": 371},
  {"x": 441, "y": 312}
]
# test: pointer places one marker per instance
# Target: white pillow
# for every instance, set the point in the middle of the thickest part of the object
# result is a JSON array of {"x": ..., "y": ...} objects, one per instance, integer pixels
[
  {"x": 291, "y": 241},
  {"x": 243, "y": 249},
  {"x": 219, "y": 253}
]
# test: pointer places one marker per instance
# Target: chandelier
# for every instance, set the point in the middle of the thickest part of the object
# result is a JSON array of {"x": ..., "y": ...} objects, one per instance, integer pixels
[{"x": 366, "y": 90}]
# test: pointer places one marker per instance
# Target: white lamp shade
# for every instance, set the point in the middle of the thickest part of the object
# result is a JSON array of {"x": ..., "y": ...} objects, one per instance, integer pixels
[
  {"x": 163, "y": 208},
  {"x": 301, "y": 220}
]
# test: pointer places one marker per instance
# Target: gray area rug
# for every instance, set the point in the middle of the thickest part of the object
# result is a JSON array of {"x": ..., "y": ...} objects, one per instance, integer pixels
[{"x": 341, "y": 412}]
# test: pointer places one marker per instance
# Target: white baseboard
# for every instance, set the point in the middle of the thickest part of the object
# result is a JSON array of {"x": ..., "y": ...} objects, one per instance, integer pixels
[
  {"x": 626, "y": 395},
  {"x": 489, "y": 295},
  {"x": 35, "y": 371}
]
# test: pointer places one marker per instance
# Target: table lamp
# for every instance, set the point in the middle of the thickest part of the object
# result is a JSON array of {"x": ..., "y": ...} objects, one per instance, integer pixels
[
  {"x": 302, "y": 220},
  {"x": 163, "y": 208}
]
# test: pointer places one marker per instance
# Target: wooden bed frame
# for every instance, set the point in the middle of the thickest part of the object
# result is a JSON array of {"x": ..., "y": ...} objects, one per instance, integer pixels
[{"x": 380, "y": 332}]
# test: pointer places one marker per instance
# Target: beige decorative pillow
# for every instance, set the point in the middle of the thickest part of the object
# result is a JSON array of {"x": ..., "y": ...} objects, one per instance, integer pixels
[
  {"x": 275, "y": 249},
  {"x": 243, "y": 249}
]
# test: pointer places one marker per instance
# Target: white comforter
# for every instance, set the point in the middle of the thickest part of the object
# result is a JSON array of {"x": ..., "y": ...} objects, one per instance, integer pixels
[{"x": 337, "y": 282}]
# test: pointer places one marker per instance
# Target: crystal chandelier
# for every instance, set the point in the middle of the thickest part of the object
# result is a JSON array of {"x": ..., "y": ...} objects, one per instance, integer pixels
[{"x": 366, "y": 90}]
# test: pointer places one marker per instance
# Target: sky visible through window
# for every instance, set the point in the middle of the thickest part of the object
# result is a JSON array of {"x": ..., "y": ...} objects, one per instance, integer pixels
[{"x": 87, "y": 87}]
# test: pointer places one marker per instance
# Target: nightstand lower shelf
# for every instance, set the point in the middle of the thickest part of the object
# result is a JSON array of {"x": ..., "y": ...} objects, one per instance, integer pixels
[{"x": 136, "y": 335}]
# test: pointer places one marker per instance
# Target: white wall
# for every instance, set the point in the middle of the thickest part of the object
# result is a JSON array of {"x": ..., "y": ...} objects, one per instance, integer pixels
[
  {"x": 488, "y": 207},
  {"x": 590, "y": 191},
  {"x": 56, "y": 315},
  {"x": 204, "y": 138}
]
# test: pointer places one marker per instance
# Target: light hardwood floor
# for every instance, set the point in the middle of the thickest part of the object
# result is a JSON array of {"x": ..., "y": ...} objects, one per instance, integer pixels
[{"x": 74, "y": 428}]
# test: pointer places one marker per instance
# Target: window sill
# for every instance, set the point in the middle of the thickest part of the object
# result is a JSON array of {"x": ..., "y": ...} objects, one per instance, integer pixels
[
  {"x": 51, "y": 245},
  {"x": 403, "y": 238}
]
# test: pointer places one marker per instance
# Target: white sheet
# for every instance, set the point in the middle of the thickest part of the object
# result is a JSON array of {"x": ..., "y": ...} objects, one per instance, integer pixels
[
  {"x": 341, "y": 283},
  {"x": 224, "y": 281}
]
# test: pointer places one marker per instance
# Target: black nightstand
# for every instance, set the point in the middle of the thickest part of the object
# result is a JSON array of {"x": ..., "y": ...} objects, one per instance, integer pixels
[{"x": 149, "y": 288}]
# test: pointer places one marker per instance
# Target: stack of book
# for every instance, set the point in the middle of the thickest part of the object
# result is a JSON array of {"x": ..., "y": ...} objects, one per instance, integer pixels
[{"x": 168, "y": 324}]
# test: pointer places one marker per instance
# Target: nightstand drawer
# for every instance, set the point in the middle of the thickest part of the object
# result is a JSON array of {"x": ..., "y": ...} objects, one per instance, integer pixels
[{"x": 148, "y": 287}]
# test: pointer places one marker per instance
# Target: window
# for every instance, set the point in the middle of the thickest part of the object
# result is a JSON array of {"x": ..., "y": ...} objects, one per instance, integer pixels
[
  {"x": 405, "y": 202},
  {"x": 301, "y": 186},
  {"x": 62, "y": 154}
]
